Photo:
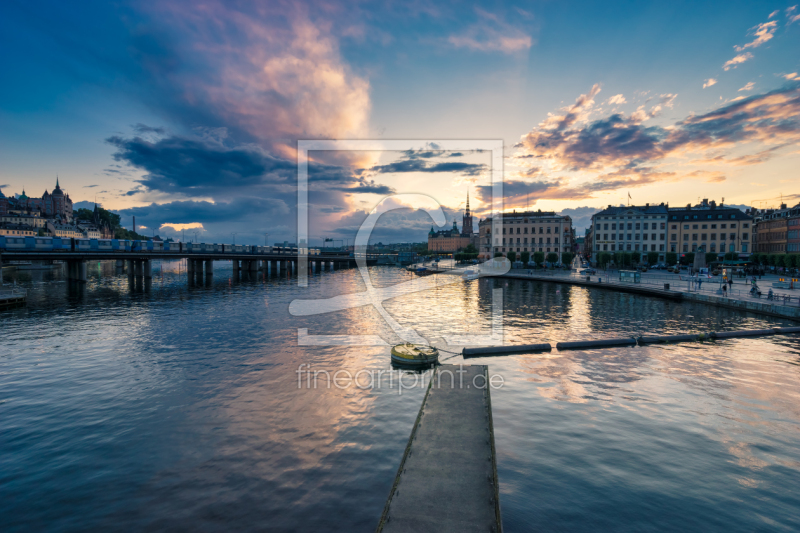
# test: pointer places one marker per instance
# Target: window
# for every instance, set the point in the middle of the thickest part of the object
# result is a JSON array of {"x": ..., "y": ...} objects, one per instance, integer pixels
[
  {"x": 613, "y": 247},
  {"x": 745, "y": 225},
  {"x": 713, "y": 236},
  {"x": 645, "y": 225},
  {"x": 645, "y": 237},
  {"x": 703, "y": 238},
  {"x": 733, "y": 236},
  {"x": 694, "y": 236},
  {"x": 723, "y": 226},
  {"x": 733, "y": 226},
  {"x": 629, "y": 247},
  {"x": 637, "y": 247},
  {"x": 661, "y": 248},
  {"x": 686, "y": 226},
  {"x": 705, "y": 226},
  {"x": 605, "y": 247},
  {"x": 674, "y": 237},
  {"x": 630, "y": 237},
  {"x": 674, "y": 226},
  {"x": 653, "y": 236},
  {"x": 685, "y": 247},
  {"x": 722, "y": 236},
  {"x": 744, "y": 248},
  {"x": 694, "y": 226},
  {"x": 614, "y": 226},
  {"x": 745, "y": 236},
  {"x": 605, "y": 226}
]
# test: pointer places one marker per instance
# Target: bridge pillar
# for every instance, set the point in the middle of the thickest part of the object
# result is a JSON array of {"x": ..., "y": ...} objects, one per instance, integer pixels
[
  {"x": 253, "y": 266},
  {"x": 189, "y": 267},
  {"x": 137, "y": 268},
  {"x": 81, "y": 268},
  {"x": 209, "y": 267},
  {"x": 120, "y": 263},
  {"x": 130, "y": 267},
  {"x": 147, "y": 267},
  {"x": 1, "y": 270}
]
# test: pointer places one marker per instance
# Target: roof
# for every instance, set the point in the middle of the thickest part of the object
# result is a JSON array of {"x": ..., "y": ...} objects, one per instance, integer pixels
[
  {"x": 708, "y": 213},
  {"x": 646, "y": 209}
]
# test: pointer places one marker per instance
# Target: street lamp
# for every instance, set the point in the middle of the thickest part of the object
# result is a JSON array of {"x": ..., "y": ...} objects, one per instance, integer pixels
[{"x": 234, "y": 238}]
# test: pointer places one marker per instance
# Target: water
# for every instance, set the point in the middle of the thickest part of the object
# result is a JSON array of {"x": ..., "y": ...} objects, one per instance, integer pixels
[{"x": 178, "y": 408}]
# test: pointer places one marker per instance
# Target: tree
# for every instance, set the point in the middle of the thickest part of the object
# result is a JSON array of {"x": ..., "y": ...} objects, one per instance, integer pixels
[
  {"x": 652, "y": 258},
  {"x": 512, "y": 256},
  {"x": 525, "y": 257},
  {"x": 688, "y": 258},
  {"x": 567, "y": 257},
  {"x": 470, "y": 249},
  {"x": 672, "y": 258},
  {"x": 603, "y": 258},
  {"x": 779, "y": 260},
  {"x": 538, "y": 258},
  {"x": 710, "y": 258},
  {"x": 636, "y": 258},
  {"x": 771, "y": 258},
  {"x": 552, "y": 257},
  {"x": 498, "y": 254}
]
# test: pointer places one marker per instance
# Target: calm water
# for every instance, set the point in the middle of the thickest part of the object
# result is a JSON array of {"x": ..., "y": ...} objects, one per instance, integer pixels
[{"x": 178, "y": 408}]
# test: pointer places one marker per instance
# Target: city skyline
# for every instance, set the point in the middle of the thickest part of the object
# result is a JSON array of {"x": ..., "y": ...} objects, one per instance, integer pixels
[{"x": 188, "y": 117}]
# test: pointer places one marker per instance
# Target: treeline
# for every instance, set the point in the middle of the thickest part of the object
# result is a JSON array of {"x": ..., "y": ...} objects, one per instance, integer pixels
[
  {"x": 539, "y": 257},
  {"x": 777, "y": 260},
  {"x": 633, "y": 259}
]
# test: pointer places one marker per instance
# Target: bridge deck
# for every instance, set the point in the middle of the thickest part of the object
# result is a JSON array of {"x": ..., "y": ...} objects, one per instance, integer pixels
[
  {"x": 447, "y": 480},
  {"x": 32, "y": 255}
]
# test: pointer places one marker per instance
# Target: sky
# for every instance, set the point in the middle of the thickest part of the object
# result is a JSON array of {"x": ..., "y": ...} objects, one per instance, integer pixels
[{"x": 187, "y": 115}]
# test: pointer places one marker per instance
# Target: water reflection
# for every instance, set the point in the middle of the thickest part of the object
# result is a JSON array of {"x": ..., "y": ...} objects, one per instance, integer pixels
[{"x": 174, "y": 404}]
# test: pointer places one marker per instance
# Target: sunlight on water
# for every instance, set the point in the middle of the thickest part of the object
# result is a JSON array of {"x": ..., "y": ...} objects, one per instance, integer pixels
[{"x": 173, "y": 405}]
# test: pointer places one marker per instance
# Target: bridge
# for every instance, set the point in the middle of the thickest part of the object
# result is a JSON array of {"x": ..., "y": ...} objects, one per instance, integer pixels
[{"x": 139, "y": 263}]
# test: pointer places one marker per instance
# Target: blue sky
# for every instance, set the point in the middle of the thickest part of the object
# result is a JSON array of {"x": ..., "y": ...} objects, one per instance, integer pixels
[{"x": 187, "y": 114}]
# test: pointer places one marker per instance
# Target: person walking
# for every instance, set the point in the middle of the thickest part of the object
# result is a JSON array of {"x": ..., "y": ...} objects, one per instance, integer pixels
[
  {"x": 730, "y": 283},
  {"x": 724, "y": 291},
  {"x": 699, "y": 284}
]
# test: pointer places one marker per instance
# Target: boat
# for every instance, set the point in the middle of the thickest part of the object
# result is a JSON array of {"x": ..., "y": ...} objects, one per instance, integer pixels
[
  {"x": 470, "y": 275},
  {"x": 414, "y": 355}
]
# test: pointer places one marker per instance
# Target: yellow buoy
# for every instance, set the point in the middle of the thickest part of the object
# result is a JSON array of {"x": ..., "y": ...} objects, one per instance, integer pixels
[{"x": 414, "y": 355}]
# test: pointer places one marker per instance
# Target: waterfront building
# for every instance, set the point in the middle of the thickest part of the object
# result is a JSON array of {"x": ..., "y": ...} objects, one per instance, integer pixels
[
  {"x": 528, "y": 231},
  {"x": 710, "y": 227},
  {"x": 776, "y": 230},
  {"x": 452, "y": 240},
  {"x": 793, "y": 233},
  {"x": 631, "y": 229},
  {"x": 33, "y": 220},
  {"x": 17, "y": 230}
]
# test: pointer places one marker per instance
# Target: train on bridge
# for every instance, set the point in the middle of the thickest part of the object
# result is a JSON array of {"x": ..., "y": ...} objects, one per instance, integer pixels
[{"x": 56, "y": 244}]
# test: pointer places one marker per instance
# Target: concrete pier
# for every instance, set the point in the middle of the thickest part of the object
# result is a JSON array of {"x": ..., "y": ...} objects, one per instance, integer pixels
[
  {"x": 147, "y": 268},
  {"x": 137, "y": 269},
  {"x": 209, "y": 267},
  {"x": 130, "y": 267},
  {"x": 447, "y": 480}
]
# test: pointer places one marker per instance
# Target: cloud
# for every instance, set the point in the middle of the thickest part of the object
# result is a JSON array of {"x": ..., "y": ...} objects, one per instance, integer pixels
[
  {"x": 616, "y": 99},
  {"x": 736, "y": 61},
  {"x": 709, "y": 82},
  {"x": 5, "y": 186},
  {"x": 89, "y": 186},
  {"x": 763, "y": 33},
  {"x": 621, "y": 151},
  {"x": 748, "y": 87},
  {"x": 143, "y": 129},
  {"x": 792, "y": 76},
  {"x": 265, "y": 71},
  {"x": 492, "y": 34},
  {"x": 774, "y": 13},
  {"x": 368, "y": 188},
  {"x": 794, "y": 18},
  {"x": 415, "y": 165}
]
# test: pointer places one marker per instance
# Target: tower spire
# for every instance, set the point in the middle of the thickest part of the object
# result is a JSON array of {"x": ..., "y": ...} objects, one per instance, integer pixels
[{"x": 57, "y": 186}]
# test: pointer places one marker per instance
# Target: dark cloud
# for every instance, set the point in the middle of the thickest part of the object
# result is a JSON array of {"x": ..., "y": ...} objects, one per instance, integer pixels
[
  {"x": 180, "y": 165},
  {"x": 415, "y": 165},
  {"x": 5, "y": 186},
  {"x": 89, "y": 186},
  {"x": 142, "y": 129},
  {"x": 368, "y": 188}
]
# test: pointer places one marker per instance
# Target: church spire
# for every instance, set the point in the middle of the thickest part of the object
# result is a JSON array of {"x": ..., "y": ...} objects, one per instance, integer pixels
[
  {"x": 57, "y": 186},
  {"x": 467, "y": 201}
]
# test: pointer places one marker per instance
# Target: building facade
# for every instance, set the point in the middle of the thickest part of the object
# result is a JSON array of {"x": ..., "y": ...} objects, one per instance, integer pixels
[
  {"x": 529, "y": 231},
  {"x": 631, "y": 229},
  {"x": 452, "y": 240},
  {"x": 17, "y": 230},
  {"x": 710, "y": 227},
  {"x": 776, "y": 230}
]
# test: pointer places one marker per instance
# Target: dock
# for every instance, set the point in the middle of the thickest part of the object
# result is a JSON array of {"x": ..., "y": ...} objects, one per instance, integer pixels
[
  {"x": 12, "y": 297},
  {"x": 447, "y": 479}
]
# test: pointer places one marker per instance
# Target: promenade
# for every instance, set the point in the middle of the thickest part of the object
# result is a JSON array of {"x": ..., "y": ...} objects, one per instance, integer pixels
[{"x": 784, "y": 304}]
